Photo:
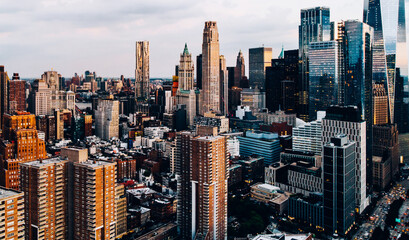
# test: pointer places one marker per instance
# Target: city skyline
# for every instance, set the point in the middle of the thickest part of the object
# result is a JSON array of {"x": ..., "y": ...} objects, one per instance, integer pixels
[{"x": 71, "y": 37}]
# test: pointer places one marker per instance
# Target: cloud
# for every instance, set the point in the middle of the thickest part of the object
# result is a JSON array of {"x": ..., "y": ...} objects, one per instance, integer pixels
[{"x": 75, "y": 35}]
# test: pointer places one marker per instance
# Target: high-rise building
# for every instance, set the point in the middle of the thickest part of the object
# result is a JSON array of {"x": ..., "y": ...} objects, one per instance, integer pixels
[
  {"x": 44, "y": 183},
  {"x": 186, "y": 94},
  {"x": 107, "y": 119},
  {"x": 339, "y": 176},
  {"x": 380, "y": 104},
  {"x": 389, "y": 48},
  {"x": 315, "y": 26},
  {"x": 52, "y": 79},
  {"x": 121, "y": 210},
  {"x": 259, "y": 60},
  {"x": 202, "y": 173},
  {"x": 21, "y": 144},
  {"x": 142, "y": 89},
  {"x": 16, "y": 94},
  {"x": 323, "y": 76},
  {"x": 401, "y": 105},
  {"x": 348, "y": 121},
  {"x": 308, "y": 137},
  {"x": 224, "y": 86},
  {"x": 386, "y": 144},
  {"x": 239, "y": 70},
  {"x": 275, "y": 74},
  {"x": 210, "y": 69},
  {"x": 94, "y": 200},
  {"x": 199, "y": 72},
  {"x": 12, "y": 223},
  {"x": 254, "y": 98},
  {"x": 4, "y": 83}
]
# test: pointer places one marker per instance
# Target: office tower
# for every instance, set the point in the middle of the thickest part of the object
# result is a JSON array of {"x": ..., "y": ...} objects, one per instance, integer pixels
[
  {"x": 386, "y": 145},
  {"x": 254, "y": 98},
  {"x": 323, "y": 76},
  {"x": 52, "y": 79},
  {"x": 202, "y": 173},
  {"x": 46, "y": 124},
  {"x": 199, "y": 78},
  {"x": 259, "y": 60},
  {"x": 289, "y": 89},
  {"x": 389, "y": 48},
  {"x": 4, "y": 82},
  {"x": 142, "y": 89},
  {"x": 21, "y": 144},
  {"x": 230, "y": 75},
  {"x": 348, "y": 121},
  {"x": 107, "y": 119},
  {"x": 12, "y": 222},
  {"x": 94, "y": 200},
  {"x": 44, "y": 183},
  {"x": 210, "y": 69},
  {"x": 59, "y": 124},
  {"x": 315, "y": 26},
  {"x": 240, "y": 70},
  {"x": 339, "y": 176},
  {"x": 186, "y": 70},
  {"x": 121, "y": 210},
  {"x": 263, "y": 144},
  {"x": 224, "y": 86},
  {"x": 185, "y": 93},
  {"x": 401, "y": 106},
  {"x": 16, "y": 94},
  {"x": 380, "y": 104},
  {"x": 308, "y": 137},
  {"x": 275, "y": 74}
]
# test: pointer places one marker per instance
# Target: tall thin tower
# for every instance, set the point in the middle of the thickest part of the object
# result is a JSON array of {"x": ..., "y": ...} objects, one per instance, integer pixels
[
  {"x": 387, "y": 17},
  {"x": 210, "y": 69},
  {"x": 142, "y": 71}
]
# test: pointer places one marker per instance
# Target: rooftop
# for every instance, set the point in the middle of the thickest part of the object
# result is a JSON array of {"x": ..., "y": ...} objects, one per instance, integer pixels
[
  {"x": 95, "y": 163},
  {"x": 43, "y": 162},
  {"x": 266, "y": 187},
  {"x": 6, "y": 193}
]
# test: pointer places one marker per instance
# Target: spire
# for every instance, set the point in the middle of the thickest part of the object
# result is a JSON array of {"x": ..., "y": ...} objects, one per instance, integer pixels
[
  {"x": 186, "y": 51},
  {"x": 281, "y": 56}
]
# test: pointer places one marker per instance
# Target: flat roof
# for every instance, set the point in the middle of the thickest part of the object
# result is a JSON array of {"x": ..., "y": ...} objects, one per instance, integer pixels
[
  {"x": 6, "y": 193},
  {"x": 96, "y": 163},
  {"x": 43, "y": 162}
]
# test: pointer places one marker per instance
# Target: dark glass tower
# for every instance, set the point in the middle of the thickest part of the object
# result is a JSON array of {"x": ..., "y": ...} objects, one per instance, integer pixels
[
  {"x": 387, "y": 17},
  {"x": 339, "y": 185},
  {"x": 199, "y": 71},
  {"x": 315, "y": 26}
]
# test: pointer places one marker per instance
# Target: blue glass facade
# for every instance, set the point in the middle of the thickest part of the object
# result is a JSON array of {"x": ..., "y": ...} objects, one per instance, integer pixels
[
  {"x": 323, "y": 75},
  {"x": 262, "y": 144}
]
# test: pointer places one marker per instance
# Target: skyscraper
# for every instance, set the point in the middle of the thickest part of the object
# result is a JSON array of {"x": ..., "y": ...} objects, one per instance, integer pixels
[
  {"x": 323, "y": 76},
  {"x": 224, "y": 86},
  {"x": 52, "y": 79},
  {"x": 339, "y": 176},
  {"x": 348, "y": 121},
  {"x": 4, "y": 82},
  {"x": 387, "y": 17},
  {"x": 210, "y": 69},
  {"x": 380, "y": 104},
  {"x": 259, "y": 60},
  {"x": 199, "y": 72},
  {"x": 315, "y": 26},
  {"x": 240, "y": 70},
  {"x": 275, "y": 74},
  {"x": 16, "y": 94},
  {"x": 202, "y": 186},
  {"x": 142, "y": 89},
  {"x": 107, "y": 118},
  {"x": 44, "y": 183}
]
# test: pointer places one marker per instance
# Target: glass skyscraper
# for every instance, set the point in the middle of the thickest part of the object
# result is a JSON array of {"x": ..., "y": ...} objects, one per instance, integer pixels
[
  {"x": 387, "y": 17},
  {"x": 323, "y": 76},
  {"x": 315, "y": 26}
]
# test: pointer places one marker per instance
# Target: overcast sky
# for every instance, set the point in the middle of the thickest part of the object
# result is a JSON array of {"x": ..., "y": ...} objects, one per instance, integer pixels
[{"x": 99, "y": 35}]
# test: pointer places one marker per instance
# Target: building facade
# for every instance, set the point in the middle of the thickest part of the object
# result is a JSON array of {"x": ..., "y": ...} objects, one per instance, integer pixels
[
  {"x": 12, "y": 221},
  {"x": 259, "y": 60},
  {"x": 107, "y": 119},
  {"x": 142, "y": 90}
]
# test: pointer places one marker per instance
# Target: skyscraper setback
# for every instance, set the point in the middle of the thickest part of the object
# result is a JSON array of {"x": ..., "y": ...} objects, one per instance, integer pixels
[
  {"x": 142, "y": 71},
  {"x": 210, "y": 69}
]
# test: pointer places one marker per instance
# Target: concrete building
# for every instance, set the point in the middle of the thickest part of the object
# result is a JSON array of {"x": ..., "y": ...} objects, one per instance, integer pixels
[
  {"x": 213, "y": 120},
  {"x": 386, "y": 144},
  {"x": 202, "y": 173},
  {"x": 44, "y": 183},
  {"x": 17, "y": 94},
  {"x": 107, "y": 119},
  {"x": 210, "y": 69},
  {"x": 121, "y": 210},
  {"x": 142, "y": 89},
  {"x": 308, "y": 137},
  {"x": 381, "y": 172},
  {"x": 339, "y": 156},
  {"x": 309, "y": 210},
  {"x": 94, "y": 201},
  {"x": 4, "y": 82},
  {"x": 259, "y": 60},
  {"x": 224, "y": 87},
  {"x": 271, "y": 195},
  {"x": 253, "y": 98},
  {"x": 347, "y": 120},
  {"x": 52, "y": 79},
  {"x": 12, "y": 221}
]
